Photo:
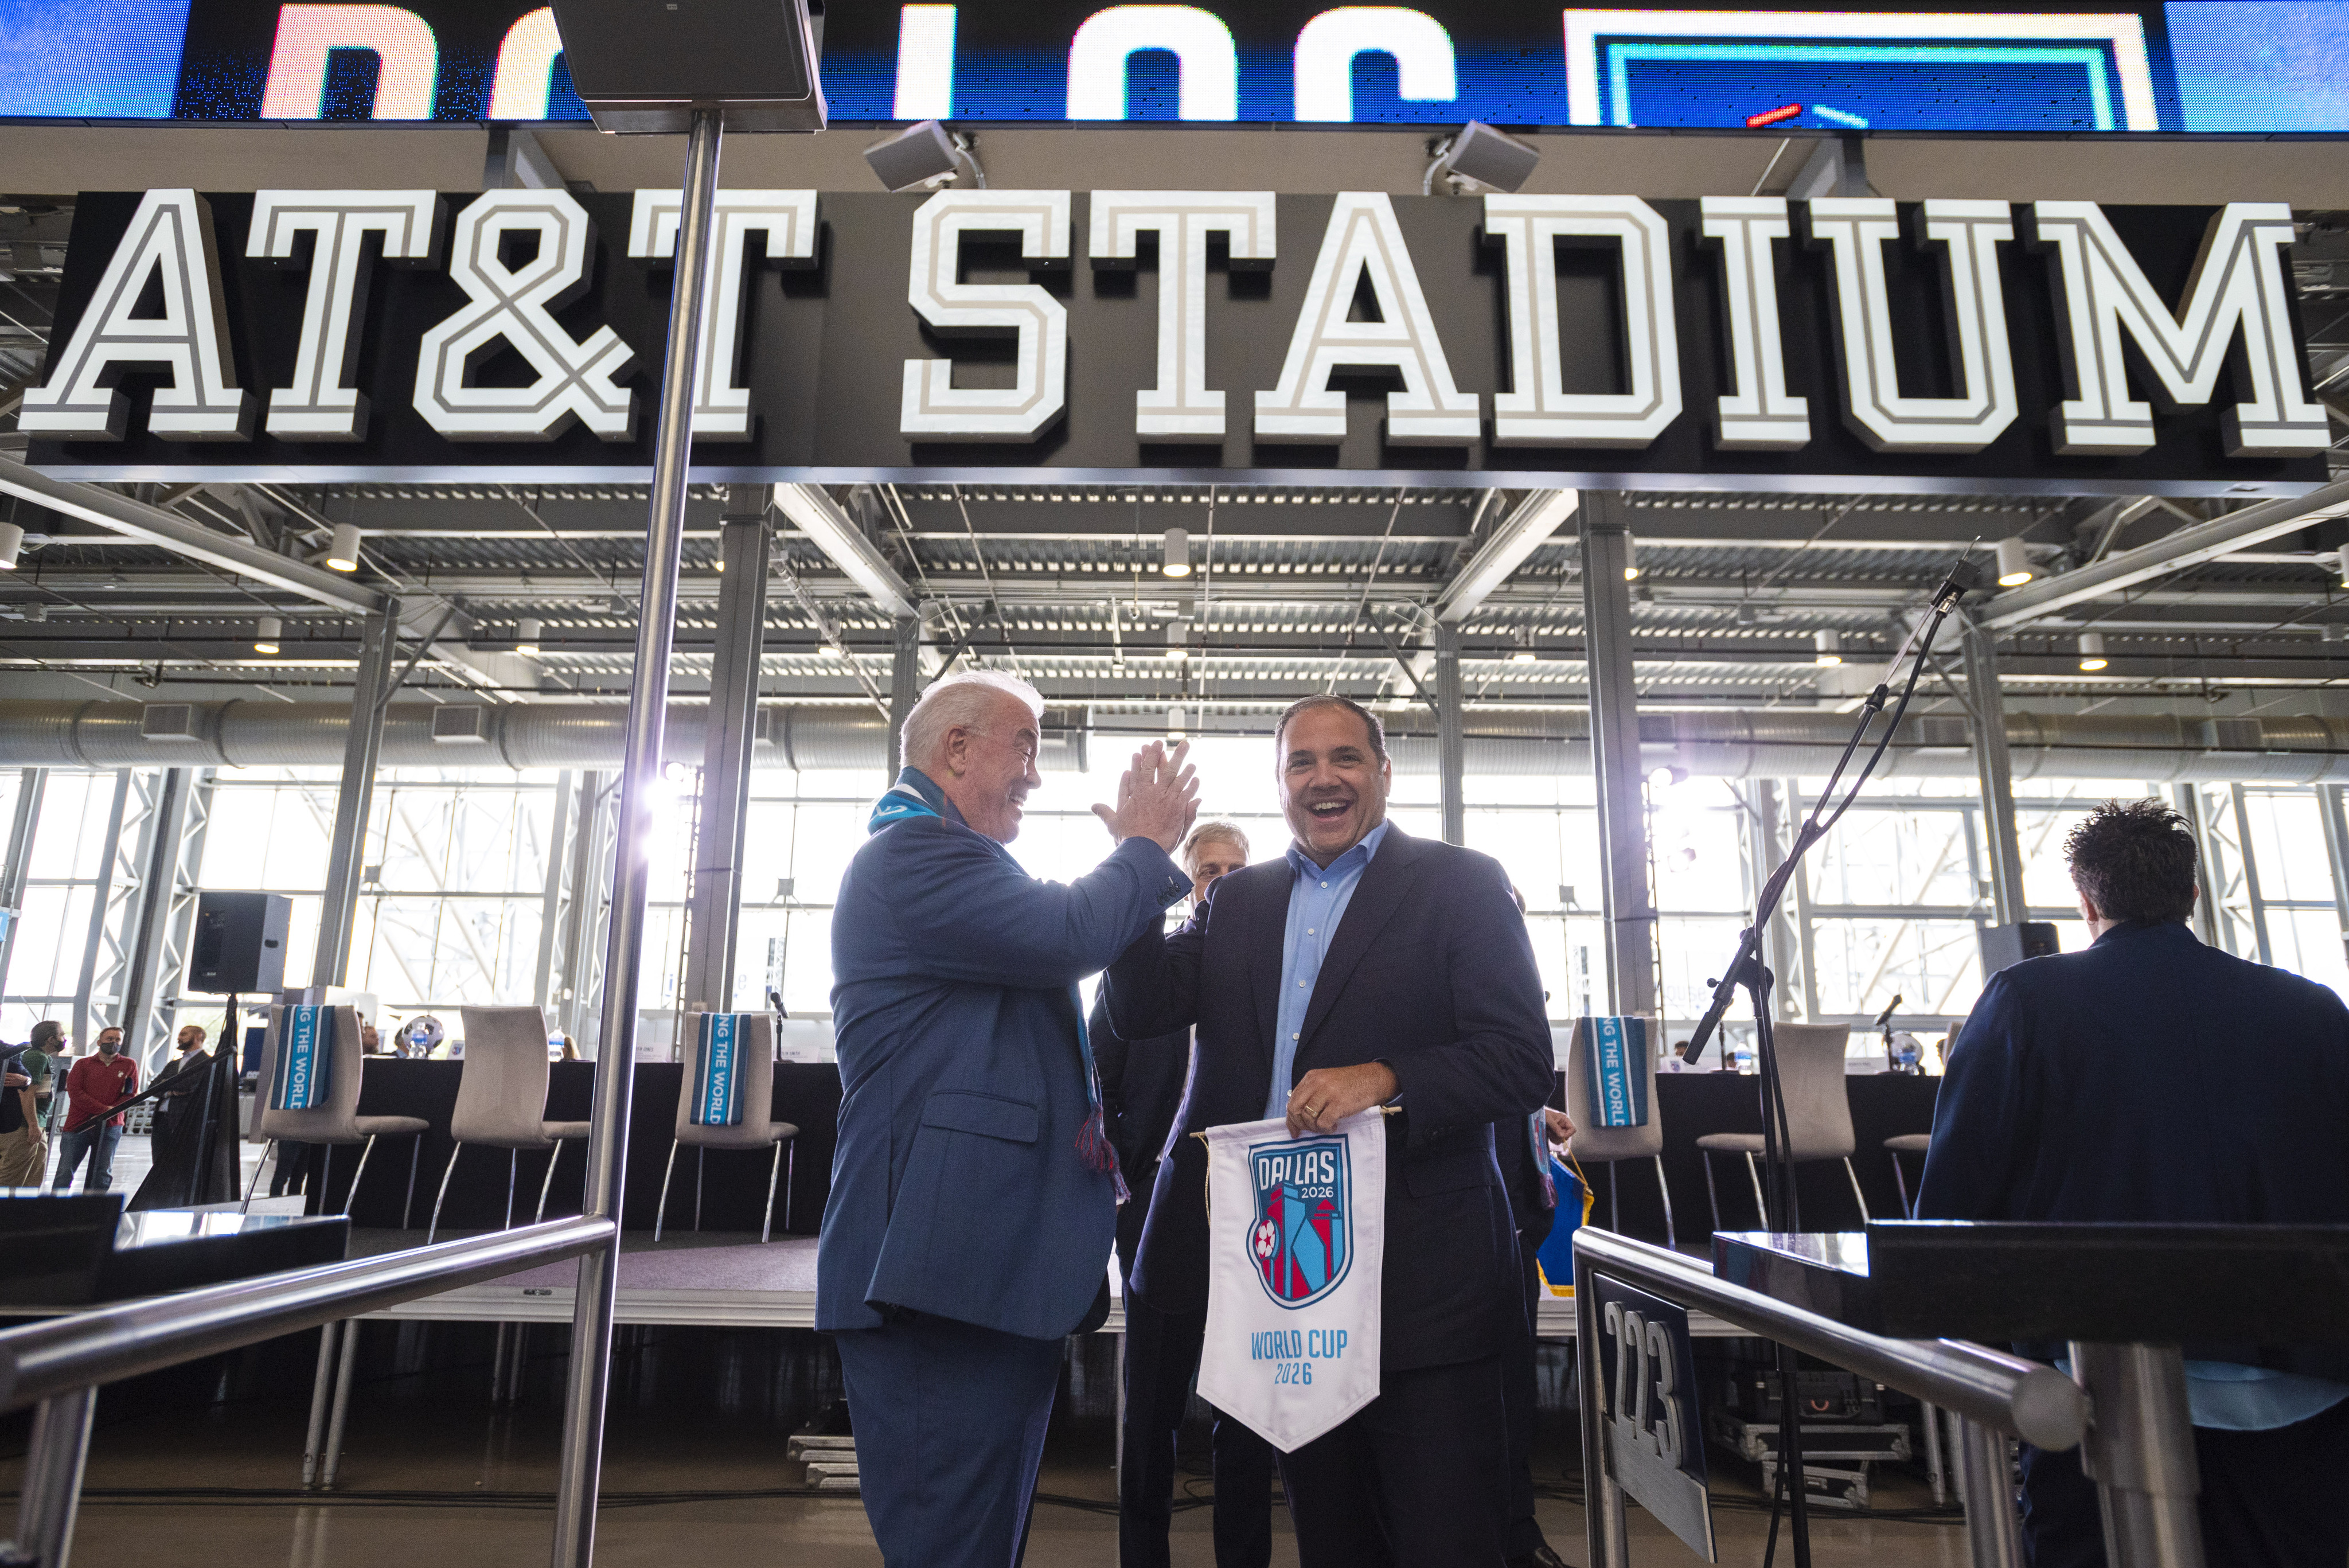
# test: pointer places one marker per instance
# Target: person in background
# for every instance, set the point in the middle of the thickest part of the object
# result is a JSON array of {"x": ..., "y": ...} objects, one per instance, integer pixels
[
  {"x": 974, "y": 1191},
  {"x": 370, "y": 1042},
  {"x": 1143, "y": 1083},
  {"x": 47, "y": 1043},
  {"x": 24, "y": 1152},
  {"x": 2151, "y": 1078},
  {"x": 96, "y": 1084},
  {"x": 191, "y": 1057}
]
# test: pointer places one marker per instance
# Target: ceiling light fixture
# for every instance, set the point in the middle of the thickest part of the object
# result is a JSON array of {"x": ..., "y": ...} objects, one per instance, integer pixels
[
  {"x": 526, "y": 635},
  {"x": 1178, "y": 639},
  {"x": 265, "y": 633},
  {"x": 1177, "y": 563},
  {"x": 342, "y": 549},
  {"x": 2014, "y": 567},
  {"x": 1829, "y": 647},
  {"x": 1174, "y": 731},
  {"x": 1666, "y": 774},
  {"x": 2092, "y": 652},
  {"x": 12, "y": 544},
  {"x": 1630, "y": 560}
]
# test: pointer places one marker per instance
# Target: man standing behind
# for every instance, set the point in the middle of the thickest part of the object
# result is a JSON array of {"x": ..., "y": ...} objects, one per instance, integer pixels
[
  {"x": 96, "y": 1083},
  {"x": 974, "y": 1190},
  {"x": 1143, "y": 1083},
  {"x": 49, "y": 1042},
  {"x": 2151, "y": 1078},
  {"x": 1366, "y": 967},
  {"x": 23, "y": 1151}
]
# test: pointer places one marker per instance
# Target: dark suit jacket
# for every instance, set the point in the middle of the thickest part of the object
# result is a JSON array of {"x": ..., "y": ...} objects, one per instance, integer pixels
[
  {"x": 2147, "y": 1077},
  {"x": 956, "y": 1188},
  {"x": 1142, "y": 1088},
  {"x": 1430, "y": 972}
]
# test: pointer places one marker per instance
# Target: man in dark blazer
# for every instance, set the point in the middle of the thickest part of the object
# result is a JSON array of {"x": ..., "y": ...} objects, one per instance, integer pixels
[
  {"x": 974, "y": 1191},
  {"x": 1141, "y": 1085},
  {"x": 2151, "y": 1078},
  {"x": 1366, "y": 967}
]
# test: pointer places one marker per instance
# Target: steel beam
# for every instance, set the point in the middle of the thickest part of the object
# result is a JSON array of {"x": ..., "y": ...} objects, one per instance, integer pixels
[
  {"x": 726, "y": 736},
  {"x": 371, "y": 691},
  {"x": 2329, "y": 801},
  {"x": 2189, "y": 546},
  {"x": 557, "y": 892},
  {"x": 113, "y": 885},
  {"x": 904, "y": 684},
  {"x": 1540, "y": 515},
  {"x": 31, "y": 784},
  {"x": 835, "y": 533},
  {"x": 1996, "y": 771},
  {"x": 2185, "y": 799},
  {"x": 1629, "y": 905},
  {"x": 1450, "y": 746},
  {"x": 160, "y": 898},
  {"x": 137, "y": 520}
]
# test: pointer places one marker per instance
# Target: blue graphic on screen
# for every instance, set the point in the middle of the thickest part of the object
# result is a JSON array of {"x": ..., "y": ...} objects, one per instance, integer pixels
[
  {"x": 95, "y": 60},
  {"x": 2208, "y": 66}
]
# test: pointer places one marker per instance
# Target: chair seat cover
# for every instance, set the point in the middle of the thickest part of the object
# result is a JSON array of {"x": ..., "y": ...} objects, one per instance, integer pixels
[
  {"x": 1593, "y": 1143},
  {"x": 1909, "y": 1143},
  {"x": 1732, "y": 1143},
  {"x": 556, "y": 1131},
  {"x": 756, "y": 1093},
  {"x": 501, "y": 1092},
  {"x": 388, "y": 1127}
]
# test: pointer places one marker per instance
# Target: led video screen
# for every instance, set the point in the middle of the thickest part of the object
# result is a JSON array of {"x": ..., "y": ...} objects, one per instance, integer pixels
[{"x": 2227, "y": 67}]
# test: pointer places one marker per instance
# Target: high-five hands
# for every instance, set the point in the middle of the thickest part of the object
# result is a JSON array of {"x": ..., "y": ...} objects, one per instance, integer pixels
[{"x": 1156, "y": 799}]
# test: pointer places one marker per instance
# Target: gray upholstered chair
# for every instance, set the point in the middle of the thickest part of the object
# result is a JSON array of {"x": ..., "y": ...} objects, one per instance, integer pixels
[
  {"x": 723, "y": 1110},
  {"x": 1819, "y": 1111},
  {"x": 1895, "y": 1146},
  {"x": 1594, "y": 1143},
  {"x": 501, "y": 1098},
  {"x": 337, "y": 1121}
]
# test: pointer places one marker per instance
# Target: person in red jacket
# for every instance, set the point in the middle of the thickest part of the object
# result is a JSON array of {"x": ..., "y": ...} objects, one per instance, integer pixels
[{"x": 95, "y": 1083}]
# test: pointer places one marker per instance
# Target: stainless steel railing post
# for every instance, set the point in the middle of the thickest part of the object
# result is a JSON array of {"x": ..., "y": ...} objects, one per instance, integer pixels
[
  {"x": 2139, "y": 1451},
  {"x": 321, "y": 1386},
  {"x": 52, "y": 1485},
  {"x": 607, "y": 1138},
  {"x": 1602, "y": 1499},
  {"x": 1992, "y": 1530}
]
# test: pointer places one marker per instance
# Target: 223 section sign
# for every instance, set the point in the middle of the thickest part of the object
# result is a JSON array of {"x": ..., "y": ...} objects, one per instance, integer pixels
[
  {"x": 1120, "y": 337},
  {"x": 1655, "y": 1441}
]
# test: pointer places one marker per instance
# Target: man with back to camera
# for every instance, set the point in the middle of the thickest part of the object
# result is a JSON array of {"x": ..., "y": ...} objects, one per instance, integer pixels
[
  {"x": 973, "y": 1189},
  {"x": 2118, "y": 1085},
  {"x": 1366, "y": 967},
  {"x": 1143, "y": 1083},
  {"x": 94, "y": 1083}
]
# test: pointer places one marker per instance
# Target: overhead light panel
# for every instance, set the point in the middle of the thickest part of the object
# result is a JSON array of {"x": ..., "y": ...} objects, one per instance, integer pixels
[
  {"x": 12, "y": 544},
  {"x": 1177, "y": 561},
  {"x": 526, "y": 635},
  {"x": 2092, "y": 652},
  {"x": 1178, "y": 641},
  {"x": 267, "y": 633},
  {"x": 2014, "y": 567},
  {"x": 1829, "y": 647},
  {"x": 1630, "y": 560},
  {"x": 343, "y": 550}
]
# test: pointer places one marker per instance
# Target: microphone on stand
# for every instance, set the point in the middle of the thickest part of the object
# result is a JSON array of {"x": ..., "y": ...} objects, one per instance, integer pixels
[{"x": 1884, "y": 1017}]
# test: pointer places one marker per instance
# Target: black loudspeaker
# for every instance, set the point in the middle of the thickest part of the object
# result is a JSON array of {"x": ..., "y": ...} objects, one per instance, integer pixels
[
  {"x": 239, "y": 946},
  {"x": 2005, "y": 946},
  {"x": 642, "y": 67}
]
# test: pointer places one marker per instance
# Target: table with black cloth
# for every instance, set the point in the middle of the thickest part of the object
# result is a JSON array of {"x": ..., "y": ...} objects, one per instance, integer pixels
[
  {"x": 734, "y": 1181},
  {"x": 1883, "y": 1104}
]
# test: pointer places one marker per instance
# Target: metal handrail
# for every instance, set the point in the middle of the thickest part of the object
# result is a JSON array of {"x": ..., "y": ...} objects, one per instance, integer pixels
[
  {"x": 44, "y": 1360},
  {"x": 2024, "y": 1399}
]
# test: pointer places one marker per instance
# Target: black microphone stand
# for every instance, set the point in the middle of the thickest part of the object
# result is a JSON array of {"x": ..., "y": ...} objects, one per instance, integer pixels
[{"x": 1748, "y": 972}]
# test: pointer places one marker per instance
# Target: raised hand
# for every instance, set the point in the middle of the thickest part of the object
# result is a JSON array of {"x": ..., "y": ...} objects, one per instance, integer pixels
[{"x": 1157, "y": 798}]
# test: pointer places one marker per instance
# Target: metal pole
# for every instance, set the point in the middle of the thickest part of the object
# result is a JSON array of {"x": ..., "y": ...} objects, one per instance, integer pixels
[
  {"x": 1450, "y": 746},
  {"x": 53, "y": 1462},
  {"x": 158, "y": 885},
  {"x": 322, "y": 1388},
  {"x": 331, "y": 1461},
  {"x": 607, "y": 1136},
  {"x": 1992, "y": 1528},
  {"x": 582, "y": 914},
  {"x": 2329, "y": 799},
  {"x": 560, "y": 891},
  {"x": 2241, "y": 802},
  {"x": 2139, "y": 1451},
  {"x": 100, "y": 898},
  {"x": 1630, "y": 909},
  {"x": 1602, "y": 1500},
  {"x": 904, "y": 684},
  {"x": 1996, "y": 773},
  {"x": 371, "y": 690},
  {"x": 31, "y": 783},
  {"x": 726, "y": 736},
  {"x": 2185, "y": 799}
]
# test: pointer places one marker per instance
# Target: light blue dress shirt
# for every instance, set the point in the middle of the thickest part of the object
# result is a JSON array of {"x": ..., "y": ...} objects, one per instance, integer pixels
[
  {"x": 2232, "y": 1397},
  {"x": 1316, "y": 902}
]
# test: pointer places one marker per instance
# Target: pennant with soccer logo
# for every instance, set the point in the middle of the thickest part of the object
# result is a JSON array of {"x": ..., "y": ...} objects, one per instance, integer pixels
[{"x": 1297, "y": 1253}]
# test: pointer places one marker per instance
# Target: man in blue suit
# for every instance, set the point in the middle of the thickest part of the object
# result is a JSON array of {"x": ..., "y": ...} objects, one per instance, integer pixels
[
  {"x": 2151, "y": 1078},
  {"x": 1366, "y": 967},
  {"x": 974, "y": 1190}
]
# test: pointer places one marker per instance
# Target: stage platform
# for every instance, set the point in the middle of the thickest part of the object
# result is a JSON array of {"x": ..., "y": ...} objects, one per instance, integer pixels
[{"x": 713, "y": 1280}]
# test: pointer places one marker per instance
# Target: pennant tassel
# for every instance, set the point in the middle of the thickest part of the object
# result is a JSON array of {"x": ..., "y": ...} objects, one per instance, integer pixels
[{"x": 1093, "y": 1148}]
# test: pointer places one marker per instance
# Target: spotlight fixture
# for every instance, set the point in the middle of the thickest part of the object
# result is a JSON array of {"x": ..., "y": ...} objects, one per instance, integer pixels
[
  {"x": 2014, "y": 567},
  {"x": 1177, "y": 563},
  {"x": 526, "y": 634},
  {"x": 265, "y": 634},
  {"x": 1524, "y": 654},
  {"x": 1666, "y": 774},
  {"x": 1630, "y": 560},
  {"x": 1479, "y": 155},
  {"x": 2092, "y": 652},
  {"x": 2343, "y": 562},
  {"x": 1174, "y": 722},
  {"x": 343, "y": 550},
  {"x": 924, "y": 156},
  {"x": 1178, "y": 641},
  {"x": 12, "y": 544},
  {"x": 1829, "y": 645},
  {"x": 832, "y": 650}
]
